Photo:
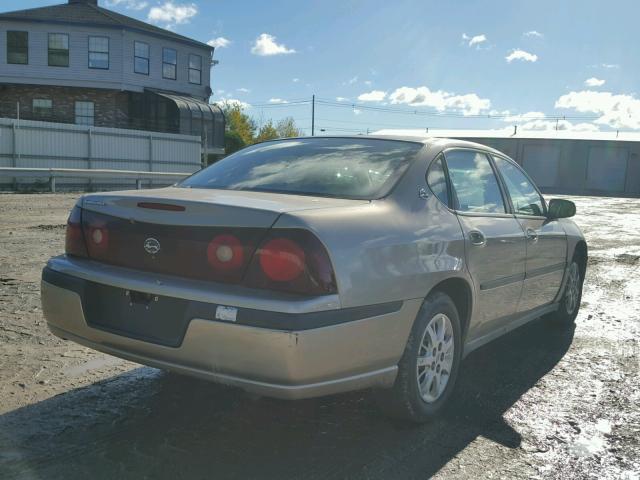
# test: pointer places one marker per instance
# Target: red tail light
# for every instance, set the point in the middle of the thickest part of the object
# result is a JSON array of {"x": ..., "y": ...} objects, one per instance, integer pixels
[
  {"x": 74, "y": 238},
  {"x": 281, "y": 260},
  {"x": 292, "y": 261},
  {"x": 287, "y": 260}
]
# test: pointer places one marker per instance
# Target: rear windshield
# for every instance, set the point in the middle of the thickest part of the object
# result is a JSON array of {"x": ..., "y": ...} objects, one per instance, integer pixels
[{"x": 331, "y": 167}]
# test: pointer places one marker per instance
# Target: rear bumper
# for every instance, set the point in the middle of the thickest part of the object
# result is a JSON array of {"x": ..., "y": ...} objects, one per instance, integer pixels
[{"x": 284, "y": 363}]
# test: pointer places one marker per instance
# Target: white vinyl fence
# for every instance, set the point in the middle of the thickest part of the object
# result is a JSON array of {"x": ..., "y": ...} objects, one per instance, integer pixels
[{"x": 32, "y": 144}]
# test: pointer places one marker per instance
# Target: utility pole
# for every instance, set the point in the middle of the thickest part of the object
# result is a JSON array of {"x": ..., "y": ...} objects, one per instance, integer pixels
[{"x": 313, "y": 115}]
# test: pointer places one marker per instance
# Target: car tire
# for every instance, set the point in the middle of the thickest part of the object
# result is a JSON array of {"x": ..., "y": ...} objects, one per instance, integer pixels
[
  {"x": 570, "y": 303},
  {"x": 414, "y": 395}
]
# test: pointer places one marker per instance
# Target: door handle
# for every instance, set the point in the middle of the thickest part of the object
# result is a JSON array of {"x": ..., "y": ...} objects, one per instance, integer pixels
[
  {"x": 477, "y": 238},
  {"x": 532, "y": 235}
]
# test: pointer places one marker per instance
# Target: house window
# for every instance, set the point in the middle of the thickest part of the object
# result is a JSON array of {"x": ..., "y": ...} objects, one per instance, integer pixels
[
  {"x": 195, "y": 69},
  {"x": 141, "y": 58},
  {"x": 84, "y": 113},
  {"x": 42, "y": 108},
  {"x": 58, "y": 50},
  {"x": 99, "y": 52},
  {"x": 169, "y": 63},
  {"x": 18, "y": 48}
]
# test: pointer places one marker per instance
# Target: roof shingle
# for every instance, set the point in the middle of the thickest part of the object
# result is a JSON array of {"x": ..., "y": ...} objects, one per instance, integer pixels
[{"x": 87, "y": 14}]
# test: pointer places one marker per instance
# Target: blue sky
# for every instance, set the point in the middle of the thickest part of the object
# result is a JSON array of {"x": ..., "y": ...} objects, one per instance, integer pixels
[{"x": 523, "y": 62}]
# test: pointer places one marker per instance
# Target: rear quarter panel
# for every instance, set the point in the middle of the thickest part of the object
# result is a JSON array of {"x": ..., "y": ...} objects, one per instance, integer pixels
[{"x": 396, "y": 248}]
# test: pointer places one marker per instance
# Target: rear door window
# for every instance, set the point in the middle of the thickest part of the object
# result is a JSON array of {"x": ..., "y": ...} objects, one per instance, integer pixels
[
  {"x": 437, "y": 180},
  {"x": 474, "y": 183}
]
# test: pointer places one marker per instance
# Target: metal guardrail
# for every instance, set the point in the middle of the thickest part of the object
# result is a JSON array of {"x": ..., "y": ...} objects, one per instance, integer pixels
[{"x": 53, "y": 173}]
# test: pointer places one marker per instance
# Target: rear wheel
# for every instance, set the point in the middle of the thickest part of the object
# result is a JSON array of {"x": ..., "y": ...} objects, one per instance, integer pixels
[
  {"x": 429, "y": 366},
  {"x": 570, "y": 303}
]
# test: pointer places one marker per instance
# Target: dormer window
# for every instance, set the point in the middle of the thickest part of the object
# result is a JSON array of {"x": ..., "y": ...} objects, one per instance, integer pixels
[
  {"x": 169, "y": 63},
  {"x": 99, "y": 53},
  {"x": 18, "y": 48},
  {"x": 58, "y": 50}
]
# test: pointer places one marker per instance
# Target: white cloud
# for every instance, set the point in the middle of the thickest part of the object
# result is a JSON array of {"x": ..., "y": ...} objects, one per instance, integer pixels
[
  {"x": 128, "y": 4},
  {"x": 533, "y": 33},
  {"x": 357, "y": 111},
  {"x": 368, "y": 82},
  {"x": 266, "y": 45},
  {"x": 518, "y": 54},
  {"x": 373, "y": 96},
  {"x": 219, "y": 42},
  {"x": 170, "y": 14},
  {"x": 351, "y": 81},
  {"x": 614, "y": 110},
  {"x": 559, "y": 125},
  {"x": 232, "y": 102},
  {"x": 468, "y": 104},
  {"x": 342, "y": 99},
  {"x": 608, "y": 65},
  {"x": 277, "y": 100},
  {"x": 295, "y": 80},
  {"x": 523, "y": 117},
  {"x": 594, "y": 82},
  {"x": 539, "y": 121},
  {"x": 476, "y": 40},
  {"x": 243, "y": 90}
]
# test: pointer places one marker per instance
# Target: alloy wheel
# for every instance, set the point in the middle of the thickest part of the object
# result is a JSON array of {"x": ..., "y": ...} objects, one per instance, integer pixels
[
  {"x": 435, "y": 358},
  {"x": 572, "y": 295}
]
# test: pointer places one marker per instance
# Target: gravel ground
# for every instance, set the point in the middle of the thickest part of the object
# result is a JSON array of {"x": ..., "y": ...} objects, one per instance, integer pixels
[{"x": 542, "y": 402}]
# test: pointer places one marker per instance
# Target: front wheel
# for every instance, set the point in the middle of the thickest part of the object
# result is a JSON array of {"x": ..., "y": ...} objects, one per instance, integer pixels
[
  {"x": 429, "y": 366},
  {"x": 572, "y": 297}
]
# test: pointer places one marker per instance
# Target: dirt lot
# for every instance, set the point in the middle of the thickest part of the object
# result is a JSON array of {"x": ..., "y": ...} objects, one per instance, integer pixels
[{"x": 540, "y": 403}]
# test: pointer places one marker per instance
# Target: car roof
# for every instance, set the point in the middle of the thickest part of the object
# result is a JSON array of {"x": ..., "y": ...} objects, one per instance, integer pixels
[{"x": 425, "y": 140}]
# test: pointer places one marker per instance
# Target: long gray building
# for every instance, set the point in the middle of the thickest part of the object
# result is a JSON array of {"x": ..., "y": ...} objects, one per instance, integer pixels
[
  {"x": 84, "y": 64},
  {"x": 563, "y": 162}
]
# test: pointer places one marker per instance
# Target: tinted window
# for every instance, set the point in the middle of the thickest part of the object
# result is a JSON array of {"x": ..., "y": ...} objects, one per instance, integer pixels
[
  {"x": 525, "y": 198},
  {"x": 334, "y": 167},
  {"x": 141, "y": 58},
  {"x": 99, "y": 52},
  {"x": 437, "y": 181},
  {"x": 18, "y": 47},
  {"x": 169, "y": 63},
  {"x": 474, "y": 184},
  {"x": 58, "y": 50},
  {"x": 195, "y": 69},
  {"x": 42, "y": 108},
  {"x": 84, "y": 113}
]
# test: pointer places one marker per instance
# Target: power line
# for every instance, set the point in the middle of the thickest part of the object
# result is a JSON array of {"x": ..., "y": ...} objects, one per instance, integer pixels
[{"x": 417, "y": 111}]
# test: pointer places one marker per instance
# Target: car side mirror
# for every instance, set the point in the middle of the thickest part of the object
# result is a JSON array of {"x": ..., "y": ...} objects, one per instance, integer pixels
[{"x": 560, "y": 208}]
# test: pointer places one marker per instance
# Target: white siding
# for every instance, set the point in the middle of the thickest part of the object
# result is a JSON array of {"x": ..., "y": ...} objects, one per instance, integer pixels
[{"x": 119, "y": 76}]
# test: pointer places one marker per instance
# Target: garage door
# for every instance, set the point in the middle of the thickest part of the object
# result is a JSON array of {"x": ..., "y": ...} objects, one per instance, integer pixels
[
  {"x": 541, "y": 163},
  {"x": 607, "y": 169}
]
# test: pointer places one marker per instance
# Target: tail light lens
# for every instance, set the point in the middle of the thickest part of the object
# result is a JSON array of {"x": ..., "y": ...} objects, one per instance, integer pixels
[
  {"x": 96, "y": 235},
  {"x": 287, "y": 260},
  {"x": 74, "y": 237},
  {"x": 225, "y": 253},
  {"x": 292, "y": 261}
]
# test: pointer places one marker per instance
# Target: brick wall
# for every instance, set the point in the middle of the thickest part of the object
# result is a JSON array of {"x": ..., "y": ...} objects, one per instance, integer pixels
[{"x": 110, "y": 106}]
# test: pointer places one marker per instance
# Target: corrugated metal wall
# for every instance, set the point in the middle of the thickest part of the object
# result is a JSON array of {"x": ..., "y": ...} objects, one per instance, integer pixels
[
  {"x": 54, "y": 145},
  {"x": 577, "y": 167}
]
